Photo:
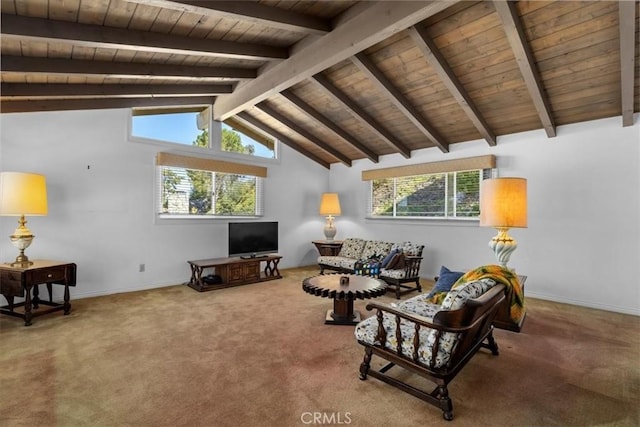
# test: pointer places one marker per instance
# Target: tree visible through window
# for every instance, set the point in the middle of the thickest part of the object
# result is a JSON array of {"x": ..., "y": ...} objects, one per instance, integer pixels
[
  {"x": 443, "y": 195},
  {"x": 198, "y": 185},
  {"x": 201, "y": 192},
  {"x": 251, "y": 142}
]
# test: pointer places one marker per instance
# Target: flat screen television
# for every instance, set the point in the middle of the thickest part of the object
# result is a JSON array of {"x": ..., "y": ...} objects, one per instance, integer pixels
[{"x": 253, "y": 239}]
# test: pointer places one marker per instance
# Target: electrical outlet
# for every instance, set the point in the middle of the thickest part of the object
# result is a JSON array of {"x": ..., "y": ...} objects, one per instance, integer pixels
[{"x": 141, "y": 268}]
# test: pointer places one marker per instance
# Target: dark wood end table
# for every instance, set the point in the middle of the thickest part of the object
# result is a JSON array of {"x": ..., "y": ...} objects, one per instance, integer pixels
[
  {"x": 343, "y": 294},
  {"x": 19, "y": 281},
  {"x": 328, "y": 247},
  {"x": 503, "y": 316}
]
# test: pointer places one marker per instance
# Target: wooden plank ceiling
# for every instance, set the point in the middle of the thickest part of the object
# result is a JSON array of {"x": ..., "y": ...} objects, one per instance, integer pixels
[{"x": 335, "y": 80}]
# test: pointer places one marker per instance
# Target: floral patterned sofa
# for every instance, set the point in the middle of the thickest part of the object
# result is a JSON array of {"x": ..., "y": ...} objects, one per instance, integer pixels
[
  {"x": 402, "y": 279},
  {"x": 431, "y": 340}
]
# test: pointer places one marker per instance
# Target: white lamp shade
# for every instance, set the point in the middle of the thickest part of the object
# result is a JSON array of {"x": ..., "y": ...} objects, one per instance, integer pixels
[
  {"x": 330, "y": 204},
  {"x": 22, "y": 194},
  {"x": 503, "y": 203}
]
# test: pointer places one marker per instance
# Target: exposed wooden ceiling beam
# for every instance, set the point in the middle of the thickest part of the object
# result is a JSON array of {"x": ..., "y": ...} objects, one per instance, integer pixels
[
  {"x": 248, "y": 11},
  {"x": 326, "y": 122},
  {"x": 304, "y": 133},
  {"x": 24, "y": 64},
  {"x": 24, "y": 106},
  {"x": 444, "y": 71},
  {"x": 117, "y": 38},
  {"x": 518, "y": 41},
  {"x": 399, "y": 100},
  {"x": 375, "y": 22},
  {"x": 627, "y": 19},
  {"x": 361, "y": 115},
  {"x": 109, "y": 90},
  {"x": 282, "y": 138}
]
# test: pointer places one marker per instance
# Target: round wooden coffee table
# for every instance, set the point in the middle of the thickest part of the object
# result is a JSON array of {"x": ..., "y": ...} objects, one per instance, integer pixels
[{"x": 343, "y": 294}]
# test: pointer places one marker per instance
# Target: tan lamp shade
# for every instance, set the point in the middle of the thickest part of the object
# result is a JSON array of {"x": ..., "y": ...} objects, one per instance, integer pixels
[
  {"x": 330, "y": 204},
  {"x": 503, "y": 203},
  {"x": 22, "y": 194}
]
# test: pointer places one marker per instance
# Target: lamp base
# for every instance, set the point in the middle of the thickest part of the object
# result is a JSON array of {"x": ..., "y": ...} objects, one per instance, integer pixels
[
  {"x": 21, "y": 239},
  {"x": 21, "y": 261},
  {"x": 329, "y": 229},
  {"x": 329, "y": 233},
  {"x": 503, "y": 246}
]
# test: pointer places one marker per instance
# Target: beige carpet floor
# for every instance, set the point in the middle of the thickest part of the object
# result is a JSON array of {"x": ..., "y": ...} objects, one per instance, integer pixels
[{"x": 260, "y": 355}]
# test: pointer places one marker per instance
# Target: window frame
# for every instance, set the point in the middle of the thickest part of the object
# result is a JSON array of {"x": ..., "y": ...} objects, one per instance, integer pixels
[
  {"x": 160, "y": 218},
  {"x": 215, "y": 142},
  {"x": 484, "y": 165},
  {"x": 213, "y": 152},
  {"x": 239, "y": 156}
]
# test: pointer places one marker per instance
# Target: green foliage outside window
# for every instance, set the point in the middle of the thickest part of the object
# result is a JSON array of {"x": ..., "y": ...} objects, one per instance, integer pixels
[
  {"x": 210, "y": 193},
  {"x": 444, "y": 195}
]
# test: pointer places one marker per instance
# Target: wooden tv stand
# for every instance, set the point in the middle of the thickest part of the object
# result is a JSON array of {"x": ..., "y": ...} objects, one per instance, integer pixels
[{"x": 234, "y": 271}]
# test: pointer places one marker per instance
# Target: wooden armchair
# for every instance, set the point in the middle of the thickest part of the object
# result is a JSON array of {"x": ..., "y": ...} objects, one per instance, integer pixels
[
  {"x": 407, "y": 278},
  {"x": 436, "y": 347}
]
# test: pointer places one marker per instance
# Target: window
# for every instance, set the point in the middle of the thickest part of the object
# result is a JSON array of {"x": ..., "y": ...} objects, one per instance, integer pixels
[
  {"x": 178, "y": 125},
  {"x": 196, "y": 187},
  {"x": 444, "y": 194},
  {"x": 192, "y": 126},
  {"x": 238, "y": 137}
]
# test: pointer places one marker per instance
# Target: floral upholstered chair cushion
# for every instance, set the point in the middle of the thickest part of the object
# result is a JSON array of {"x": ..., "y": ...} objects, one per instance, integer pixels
[
  {"x": 352, "y": 248},
  {"x": 375, "y": 248},
  {"x": 457, "y": 296},
  {"x": 366, "y": 331},
  {"x": 408, "y": 248},
  {"x": 393, "y": 273},
  {"x": 337, "y": 261},
  {"x": 419, "y": 305}
]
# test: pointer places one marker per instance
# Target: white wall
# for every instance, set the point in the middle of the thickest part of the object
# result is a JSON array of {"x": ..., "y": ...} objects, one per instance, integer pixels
[
  {"x": 582, "y": 244},
  {"x": 100, "y": 190}
]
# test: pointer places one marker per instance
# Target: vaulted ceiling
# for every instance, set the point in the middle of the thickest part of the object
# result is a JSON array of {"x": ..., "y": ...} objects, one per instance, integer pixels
[{"x": 335, "y": 80}]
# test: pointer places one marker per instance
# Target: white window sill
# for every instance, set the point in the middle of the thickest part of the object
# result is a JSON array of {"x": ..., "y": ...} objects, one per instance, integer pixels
[{"x": 450, "y": 222}]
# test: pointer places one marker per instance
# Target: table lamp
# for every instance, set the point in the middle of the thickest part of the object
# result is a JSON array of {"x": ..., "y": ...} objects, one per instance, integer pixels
[
  {"x": 22, "y": 194},
  {"x": 330, "y": 207},
  {"x": 503, "y": 205}
]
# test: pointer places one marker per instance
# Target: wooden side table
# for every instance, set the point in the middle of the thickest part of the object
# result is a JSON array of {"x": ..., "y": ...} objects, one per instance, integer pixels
[
  {"x": 344, "y": 289},
  {"x": 19, "y": 281},
  {"x": 234, "y": 271},
  {"x": 503, "y": 317},
  {"x": 328, "y": 247}
]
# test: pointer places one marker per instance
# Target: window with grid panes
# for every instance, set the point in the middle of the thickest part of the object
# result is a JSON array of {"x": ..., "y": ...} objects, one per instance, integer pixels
[
  {"x": 198, "y": 187},
  {"x": 445, "y": 195}
]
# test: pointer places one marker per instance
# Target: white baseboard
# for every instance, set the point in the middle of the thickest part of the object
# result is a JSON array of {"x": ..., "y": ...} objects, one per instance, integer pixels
[
  {"x": 607, "y": 307},
  {"x": 99, "y": 293}
]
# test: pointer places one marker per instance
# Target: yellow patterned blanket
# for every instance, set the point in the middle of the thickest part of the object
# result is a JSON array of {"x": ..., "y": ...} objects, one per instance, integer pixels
[{"x": 500, "y": 274}]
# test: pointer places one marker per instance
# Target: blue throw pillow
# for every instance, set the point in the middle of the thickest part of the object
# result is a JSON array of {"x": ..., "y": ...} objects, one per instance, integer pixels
[
  {"x": 446, "y": 279},
  {"x": 386, "y": 259}
]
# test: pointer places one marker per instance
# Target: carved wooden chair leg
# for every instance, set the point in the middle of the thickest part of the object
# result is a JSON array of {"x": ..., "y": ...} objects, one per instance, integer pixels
[
  {"x": 418, "y": 285},
  {"x": 366, "y": 364},
  {"x": 445, "y": 403}
]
